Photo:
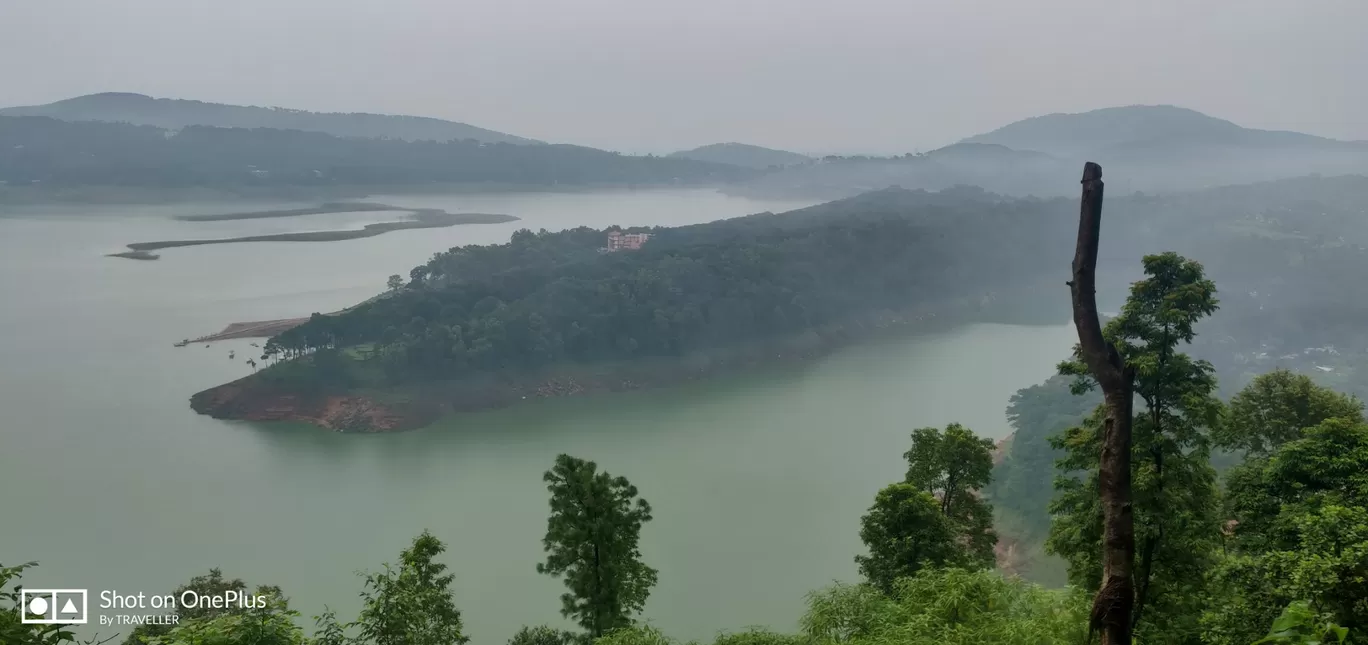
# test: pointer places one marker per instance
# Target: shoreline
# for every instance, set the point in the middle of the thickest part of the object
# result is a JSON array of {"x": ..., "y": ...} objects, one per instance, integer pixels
[
  {"x": 420, "y": 218},
  {"x": 12, "y": 196}
]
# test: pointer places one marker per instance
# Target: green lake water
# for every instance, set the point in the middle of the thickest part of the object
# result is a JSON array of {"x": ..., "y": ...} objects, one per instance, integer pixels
[{"x": 113, "y": 483}]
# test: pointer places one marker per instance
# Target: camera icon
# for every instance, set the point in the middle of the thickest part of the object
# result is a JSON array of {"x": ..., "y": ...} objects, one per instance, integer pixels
[{"x": 52, "y": 606}]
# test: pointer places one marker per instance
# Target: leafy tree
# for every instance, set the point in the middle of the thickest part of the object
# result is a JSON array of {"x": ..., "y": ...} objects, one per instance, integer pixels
[
  {"x": 1173, "y": 484},
  {"x": 954, "y": 465},
  {"x": 1327, "y": 568},
  {"x": 1300, "y": 534},
  {"x": 411, "y": 604},
  {"x": 755, "y": 636},
  {"x": 1299, "y": 625},
  {"x": 394, "y": 283},
  {"x": 905, "y": 532},
  {"x": 12, "y": 630},
  {"x": 636, "y": 635},
  {"x": 947, "y": 607},
  {"x": 270, "y": 623},
  {"x": 1274, "y": 409},
  {"x": 544, "y": 635},
  {"x": 209, "y": 584},
  {"x": 1328, "y": 465},
  {"x": 328, "y": 630},
  {"x": 592, "y": 541}
]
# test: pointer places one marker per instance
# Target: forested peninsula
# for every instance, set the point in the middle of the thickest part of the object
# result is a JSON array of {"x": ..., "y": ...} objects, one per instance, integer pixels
[{"x": 552, "y": 314}]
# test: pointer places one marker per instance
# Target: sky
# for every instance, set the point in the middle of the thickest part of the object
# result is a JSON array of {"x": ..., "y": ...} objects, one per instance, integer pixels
[{"x": 637, "y": 76}]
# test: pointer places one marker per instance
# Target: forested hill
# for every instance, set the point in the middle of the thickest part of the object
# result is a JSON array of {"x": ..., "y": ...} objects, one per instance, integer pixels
[
  {"x": 1093, "y": 133},
  {"x": 39, "y": 153},
  {"x": 742, "y": 154},
  {"x": 548, "y": 298},
  {"x": 139, "y": 109},
  {"x": 837, "y": 270},
  {"x": 1154, "y": 149}
]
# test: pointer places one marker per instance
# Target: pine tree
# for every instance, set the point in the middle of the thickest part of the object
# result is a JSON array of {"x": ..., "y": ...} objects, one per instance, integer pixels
[{"x": 592, "y": 541}]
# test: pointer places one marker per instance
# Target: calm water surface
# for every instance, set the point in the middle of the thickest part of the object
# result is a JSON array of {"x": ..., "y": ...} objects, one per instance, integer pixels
[{"x": 757, "y": 481}]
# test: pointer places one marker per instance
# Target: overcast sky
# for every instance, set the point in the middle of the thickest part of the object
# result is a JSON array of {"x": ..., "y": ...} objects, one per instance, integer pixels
[{"x": 646, "y": 76}]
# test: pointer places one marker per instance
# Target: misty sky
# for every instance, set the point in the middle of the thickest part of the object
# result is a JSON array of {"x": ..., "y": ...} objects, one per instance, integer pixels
[{"x": 813, "y": 76}]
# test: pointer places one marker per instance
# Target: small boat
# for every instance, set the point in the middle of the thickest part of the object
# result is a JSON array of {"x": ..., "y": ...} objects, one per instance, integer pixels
[{"x": 183, "y": 343}]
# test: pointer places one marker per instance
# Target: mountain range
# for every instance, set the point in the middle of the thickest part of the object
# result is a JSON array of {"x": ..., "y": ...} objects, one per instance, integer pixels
[
  {"x": 1149, "y": 148},
  {"x": 174, "y": 114},
  {"x": 134, "y": 140}
]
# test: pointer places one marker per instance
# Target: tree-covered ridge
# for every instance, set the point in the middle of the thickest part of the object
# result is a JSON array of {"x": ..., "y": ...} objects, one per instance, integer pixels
[
  {"x": 139, "y": 109},
  {"x": 830, "y": 270},
  {"x": 741, "y": 154},
  {"x": 53, "y": 153},
  {"x": 546, "y": 298}
]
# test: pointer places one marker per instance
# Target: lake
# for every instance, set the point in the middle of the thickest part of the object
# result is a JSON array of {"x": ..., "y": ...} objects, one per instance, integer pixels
[{"x": 110, "y": 480}]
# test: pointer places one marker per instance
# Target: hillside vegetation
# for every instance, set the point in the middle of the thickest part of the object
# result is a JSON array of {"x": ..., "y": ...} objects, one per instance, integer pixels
[{"x": 814, "y": 278}]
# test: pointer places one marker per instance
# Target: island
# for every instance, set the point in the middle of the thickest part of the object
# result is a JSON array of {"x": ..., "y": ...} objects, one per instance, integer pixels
[
  {"x": 586, "y": 310},
  {"x": 417, "y": 218}
]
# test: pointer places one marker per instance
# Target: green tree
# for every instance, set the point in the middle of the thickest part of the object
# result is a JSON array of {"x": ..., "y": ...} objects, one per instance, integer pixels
[
  {"x": 1173, "y": 485},
  {"x": 544, "y": 635},
  {"x": 1327, "y": 567},
  {"x": 1327, "y": 465},
  {"x": 267, "y": 623},
  {"x": 948, "y": 607},
  {"x": 905, "y": 532},
  {"x": 1274, "y": 409},
  {"x": 955, "y": 466},
  {"x": 1299, "y": 625},
  {"x": 411, "y": 604},
  {"x": 12, "y": 630},
  {"x": 211, "y": 584},
  {"x": 394, "y": 283},
  {"x": 592, "y": 539},
  {"x": 1300, "y": 534}
]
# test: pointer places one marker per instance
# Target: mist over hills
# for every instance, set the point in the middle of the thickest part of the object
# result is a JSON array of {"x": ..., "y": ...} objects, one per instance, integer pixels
[
  {"x": 1143, "y": 148},
  {"x": 135, "y": 142},
  {"x": 44, "y": 159},
  {"x": 743, "y": 154},
  {"x": 173, "y": 114},
  {"x": 1118, "y": 129}
]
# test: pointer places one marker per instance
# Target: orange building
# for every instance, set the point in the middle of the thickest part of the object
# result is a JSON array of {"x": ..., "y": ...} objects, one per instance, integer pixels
[{"x": 618, "y": 240}]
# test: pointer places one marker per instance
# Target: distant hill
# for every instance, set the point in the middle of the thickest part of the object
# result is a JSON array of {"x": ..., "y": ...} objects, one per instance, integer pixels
[
  {"x": 175, "y": 114},
  {"x": 742, "y": 154},
  {"x": 1154, "y": 149},
  {"x": 44, "y": 158},
  {"x": 1137, "y": 126}
]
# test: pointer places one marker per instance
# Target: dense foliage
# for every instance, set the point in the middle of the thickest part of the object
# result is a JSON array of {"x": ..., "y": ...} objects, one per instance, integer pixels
[
  {"x": 934, "y": 517},
  {"x": 815, "y": 275},
  {"x": 1173, "y": 484}
]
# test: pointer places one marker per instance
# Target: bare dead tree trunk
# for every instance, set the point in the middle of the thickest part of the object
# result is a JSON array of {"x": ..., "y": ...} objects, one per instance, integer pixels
[{"x": 1111, "y": 610}]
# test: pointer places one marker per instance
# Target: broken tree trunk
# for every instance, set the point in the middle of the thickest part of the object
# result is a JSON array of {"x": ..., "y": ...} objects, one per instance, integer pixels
[{"x": 1111, "y": 610}]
